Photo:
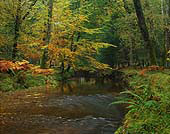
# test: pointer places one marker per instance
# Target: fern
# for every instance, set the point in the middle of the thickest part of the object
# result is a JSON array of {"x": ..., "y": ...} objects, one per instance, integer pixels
[
  {"x": 133, "y": 94},
  {"x": 123, "y": 102}
]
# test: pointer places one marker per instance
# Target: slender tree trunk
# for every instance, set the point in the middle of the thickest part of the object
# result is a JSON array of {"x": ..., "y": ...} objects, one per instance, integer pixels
[
  {"x": 167, "y": 31},
  {"x": 144, "y": 31},
  {"x": 132, "y": 40},
  {"x": 131, "y": 54},
  {"x": 164, "y": 51},
  {"x": 16, "y": 32},
  {"x": 48, "y": 34},
  {"x": 73, "y": 48}
]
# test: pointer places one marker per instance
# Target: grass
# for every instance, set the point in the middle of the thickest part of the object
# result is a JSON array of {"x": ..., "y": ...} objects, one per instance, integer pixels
[{"x": 148, "y": 99}]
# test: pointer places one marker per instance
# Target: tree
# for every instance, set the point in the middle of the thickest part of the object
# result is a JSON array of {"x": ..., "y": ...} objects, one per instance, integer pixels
[
  {"x": 19, "y": 18},
  {"x": 144, "y": 31},
  {"x": 67, "y": 50},
  {"x": 48, "y": 34},
  {"x": 132, "y": 40},
  {"x": 166, "y": 11},
  {"x": 166, "y": 14}
]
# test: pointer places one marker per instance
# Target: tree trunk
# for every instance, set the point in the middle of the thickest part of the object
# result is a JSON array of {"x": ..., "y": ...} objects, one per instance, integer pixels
[
  {"x": 167, "y": 31},
  {"x": 18, "y": 22},
  {"x": 144, "y": 31},
  {"x": 132, "y": 40},
  {"x": 48, "y": 34},
  {"x": 165, "y": 7},
  {"x": 131, "y": 54},
  {"x": 164, "y": 51},
  {"x": 16, "y": 32},
  {"x": 166, "y": 13}
]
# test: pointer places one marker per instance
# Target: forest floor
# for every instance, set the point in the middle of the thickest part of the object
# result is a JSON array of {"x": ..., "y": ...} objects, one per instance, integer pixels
[{"x": 148, "y": 102}]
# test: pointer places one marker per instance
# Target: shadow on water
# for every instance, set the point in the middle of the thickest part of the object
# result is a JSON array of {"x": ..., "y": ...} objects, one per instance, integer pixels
[{"x": 80, "y": 106}]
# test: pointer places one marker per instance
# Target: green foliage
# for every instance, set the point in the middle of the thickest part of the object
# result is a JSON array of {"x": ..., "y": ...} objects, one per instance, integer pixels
[
  {"x": 105, "y": 21},
  {"x": 25, "y": 80},
  {"x": 34, "y": 81},
  {"x": 148, "y": 105},
  {"x": 6, "y": 83}
]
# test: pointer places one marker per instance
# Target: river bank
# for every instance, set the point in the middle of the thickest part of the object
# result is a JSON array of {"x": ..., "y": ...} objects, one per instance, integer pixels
[{"x": 148, "y": 99}]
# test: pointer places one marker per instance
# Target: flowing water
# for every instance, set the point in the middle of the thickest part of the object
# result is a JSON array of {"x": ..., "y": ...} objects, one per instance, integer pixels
[{"x": 80, "y": 106}]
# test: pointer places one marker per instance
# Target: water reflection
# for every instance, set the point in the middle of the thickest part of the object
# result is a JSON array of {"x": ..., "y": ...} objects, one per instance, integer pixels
[{"x": 86, "y": 86}]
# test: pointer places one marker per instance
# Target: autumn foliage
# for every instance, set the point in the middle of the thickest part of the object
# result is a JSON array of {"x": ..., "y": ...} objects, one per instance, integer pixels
[
  {"x": 43, "y": 71},
  {"x": 24, "y": 65},
  {"x": 5, "y": 65},
  {"x": 150, "y": 68}
]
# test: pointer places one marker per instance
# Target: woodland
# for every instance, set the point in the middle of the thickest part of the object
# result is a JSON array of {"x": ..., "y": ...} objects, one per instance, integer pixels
[
  {"x": 43, "y": 42},
  {"x": 75, "y": 33}
]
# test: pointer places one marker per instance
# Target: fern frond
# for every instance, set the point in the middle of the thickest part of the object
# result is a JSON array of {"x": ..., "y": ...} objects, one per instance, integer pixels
[{"x": 133, "y": 94}]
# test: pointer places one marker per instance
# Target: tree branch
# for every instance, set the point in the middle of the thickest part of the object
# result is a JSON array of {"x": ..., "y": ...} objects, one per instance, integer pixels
[{"x": 29, "y": 9}]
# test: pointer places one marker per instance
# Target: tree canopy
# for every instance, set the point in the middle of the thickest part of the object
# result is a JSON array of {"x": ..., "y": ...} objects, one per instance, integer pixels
[{"x": 74, "y": 34}]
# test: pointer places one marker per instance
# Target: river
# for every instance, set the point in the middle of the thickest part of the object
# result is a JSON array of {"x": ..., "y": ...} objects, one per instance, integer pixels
[{"x": 80, "y": 106}]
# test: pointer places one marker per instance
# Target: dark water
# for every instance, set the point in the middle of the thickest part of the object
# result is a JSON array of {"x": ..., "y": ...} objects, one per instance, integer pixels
[{"x": 77, "y": 107}]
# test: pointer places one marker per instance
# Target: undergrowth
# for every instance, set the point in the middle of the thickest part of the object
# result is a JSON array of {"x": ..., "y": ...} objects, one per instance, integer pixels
[
  {"x": 24, "y": 80},
  {"x": 148, "y": 103}
]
